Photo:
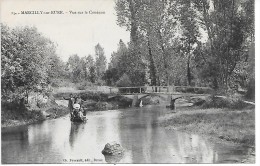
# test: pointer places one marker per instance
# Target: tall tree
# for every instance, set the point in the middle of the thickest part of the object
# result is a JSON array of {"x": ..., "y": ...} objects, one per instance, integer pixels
[
  {"x": 155, "y": 23},
  {"x": 74, "y": 67},
  {"x": 127, "y": 15},
  {"x": 100, "y": 61},
  {"x": 91, "y": 68},
  {"x": 225, "y": 26},
  {"x": 190, "y": 33},
  {"x": 84, "y": 67}
]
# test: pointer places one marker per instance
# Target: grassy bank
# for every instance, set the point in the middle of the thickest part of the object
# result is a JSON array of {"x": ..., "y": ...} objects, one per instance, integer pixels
[
  {"x": 219, "y": 118},
  {"x": 14, "y": 115},
  {"x": 230, "y": 125}
]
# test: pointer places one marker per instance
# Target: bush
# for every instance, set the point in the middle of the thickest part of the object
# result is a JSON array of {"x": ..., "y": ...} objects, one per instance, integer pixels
[
  {"x": 219, "y": 102},
  {"x": 100, "y": 82},
  {"x": 194, "y": 90},
  {"x": 94, "y": 96},
  {"x": 35, "y": 115},
  {"x": 83, "y": 85},
  {"x": 124, "y": 81},
  {"x": 15, "y": 111}
]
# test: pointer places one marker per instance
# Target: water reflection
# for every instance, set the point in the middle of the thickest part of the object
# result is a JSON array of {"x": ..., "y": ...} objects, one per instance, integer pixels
[
  {"x": 75, "y": 129},
  {"x": 191, "y": 149},
  {"x": 137, "y": 130},
  {"x": 146, "y": 142}
]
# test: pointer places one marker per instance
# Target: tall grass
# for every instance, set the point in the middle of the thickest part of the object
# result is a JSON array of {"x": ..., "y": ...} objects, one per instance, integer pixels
[
  {"x": 219, "y": 102},
  {"x": 236, "y": 126}
]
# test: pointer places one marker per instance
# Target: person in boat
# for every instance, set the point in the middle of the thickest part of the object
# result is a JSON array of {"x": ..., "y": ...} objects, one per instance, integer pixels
[
  {"x": 77, "y": 111},
  {"x": 71, "y": 102},
  {"x": 79, "y": 102}
]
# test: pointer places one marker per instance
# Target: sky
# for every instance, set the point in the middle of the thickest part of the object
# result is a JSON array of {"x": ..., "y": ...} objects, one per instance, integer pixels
[{"x": 73, "y": 33}]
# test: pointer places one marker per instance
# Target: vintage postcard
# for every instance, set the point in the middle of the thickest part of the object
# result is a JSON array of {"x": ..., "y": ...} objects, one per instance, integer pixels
[{"x": 128, "y": 82}]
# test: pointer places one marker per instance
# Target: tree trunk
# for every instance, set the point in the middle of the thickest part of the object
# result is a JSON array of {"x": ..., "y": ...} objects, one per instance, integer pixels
[
  {"x": 189, "y": 78},
  {"x": 152, "y": 66},
  {"x": 164, "y": 57}
]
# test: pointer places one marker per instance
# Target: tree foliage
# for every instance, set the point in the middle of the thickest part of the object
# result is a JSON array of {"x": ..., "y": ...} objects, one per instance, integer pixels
[
  {"x": 87, "y": 68},
  {"x": 172, "y": 42},
  {"x": 100, "y": 61},
  {"x": 28, "y": 62},
  {"x": 194, "y": 42}
]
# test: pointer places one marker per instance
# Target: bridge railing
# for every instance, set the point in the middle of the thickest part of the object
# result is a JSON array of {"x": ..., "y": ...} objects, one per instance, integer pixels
[{"x": 159, "y": 89}]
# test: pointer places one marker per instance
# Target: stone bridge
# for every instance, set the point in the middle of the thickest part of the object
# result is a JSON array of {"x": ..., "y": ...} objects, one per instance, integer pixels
[{"x": 166, "y": 92}]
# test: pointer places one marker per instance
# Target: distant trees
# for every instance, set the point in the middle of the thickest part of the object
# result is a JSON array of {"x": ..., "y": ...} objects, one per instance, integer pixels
[
  {"x": 91, "y": 69},
  {"x": 75, "y": 67},
  {"x": 28, "y": 62},
  {"x": 121, "y": 65},
  {"x": 87, "y": 68},
  {"x": 118, "y": 64}
]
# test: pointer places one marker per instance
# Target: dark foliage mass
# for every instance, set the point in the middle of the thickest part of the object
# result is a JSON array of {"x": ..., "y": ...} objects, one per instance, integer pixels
[
  {"x": 28, "y": 62},
  {"x": 189, "y": 42}
]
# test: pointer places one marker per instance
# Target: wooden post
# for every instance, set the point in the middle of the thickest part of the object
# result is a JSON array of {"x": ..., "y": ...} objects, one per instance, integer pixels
[
  {"x": 140, "y": 90},
  {"x": 110, "y": 90},
  {"x": 169, "y": 98},
  {"x": 135, "y": 100}
]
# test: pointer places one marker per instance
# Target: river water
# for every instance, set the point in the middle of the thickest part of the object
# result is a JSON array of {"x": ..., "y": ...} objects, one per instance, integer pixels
[{"x": 136, "y": 129}]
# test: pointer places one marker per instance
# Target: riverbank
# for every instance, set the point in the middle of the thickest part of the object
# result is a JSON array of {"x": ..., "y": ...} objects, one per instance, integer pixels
[
  {"x": 15, "y": 115},
  {"x": 223, "y": 125}
]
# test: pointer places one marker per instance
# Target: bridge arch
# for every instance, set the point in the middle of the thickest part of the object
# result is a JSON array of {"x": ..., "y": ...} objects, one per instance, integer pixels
[
  {"x": 136, "y": 98},
  {"x": 153, "y": 94}
]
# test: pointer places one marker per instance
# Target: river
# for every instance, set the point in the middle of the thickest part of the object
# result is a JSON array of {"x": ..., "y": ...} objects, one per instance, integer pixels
[{"x": 136, "y": 129}]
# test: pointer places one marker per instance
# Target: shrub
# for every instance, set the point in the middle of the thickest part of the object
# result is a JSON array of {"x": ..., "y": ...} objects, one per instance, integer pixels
[
  {"x": 15, "y": 111},
  {"x": 100, "y": 82},
  {"x": 35, "y": 115},
  {"x": 83, "y": 85},
  {"x": 96, "y": 96},
  {"x": 219, "y": 102},
  {"x": 124, "y": 81}
]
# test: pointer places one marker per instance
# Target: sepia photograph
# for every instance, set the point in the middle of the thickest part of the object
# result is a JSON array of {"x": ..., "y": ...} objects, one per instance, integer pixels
[{"x": 128, "y": 82}]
